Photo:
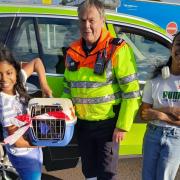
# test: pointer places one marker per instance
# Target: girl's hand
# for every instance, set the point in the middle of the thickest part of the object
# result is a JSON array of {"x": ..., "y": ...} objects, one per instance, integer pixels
[
  {"x": 46, "y": 90},
  {"x": 148, "y": 113},
  {"x": 175, "y": 111},
  {"x": 151, "y": 114},
  {"x": 172, "y": 112}
]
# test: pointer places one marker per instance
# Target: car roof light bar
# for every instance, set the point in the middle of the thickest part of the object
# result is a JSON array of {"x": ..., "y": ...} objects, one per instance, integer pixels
[
  {"x": 109, "y": 4},
  {"x": 30, "y": 2}
]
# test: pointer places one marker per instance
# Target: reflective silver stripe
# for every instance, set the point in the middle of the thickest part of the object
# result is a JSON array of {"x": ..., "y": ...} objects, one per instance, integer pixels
[
  {"x": 127, "y": 79},
  {"x": 97, "y": 100},
  {"x": 131, "y": 95},
  {"x": 67, "y": 90},
  {"x": 86, "y": 84}
]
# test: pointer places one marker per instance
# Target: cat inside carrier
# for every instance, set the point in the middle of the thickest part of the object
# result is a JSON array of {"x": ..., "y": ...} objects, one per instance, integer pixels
[{"x": 53, "y": 121}]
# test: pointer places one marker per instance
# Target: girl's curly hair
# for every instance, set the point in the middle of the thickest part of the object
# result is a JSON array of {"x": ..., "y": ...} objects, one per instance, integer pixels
[
  {"x": 158, "y": 69},
  {"x": 7, "y": 56}
]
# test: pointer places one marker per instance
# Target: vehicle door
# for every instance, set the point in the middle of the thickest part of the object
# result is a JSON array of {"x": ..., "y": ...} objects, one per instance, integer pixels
[
  {"x": 46, "y": 37},
  {"x": 151, "y": 50}
]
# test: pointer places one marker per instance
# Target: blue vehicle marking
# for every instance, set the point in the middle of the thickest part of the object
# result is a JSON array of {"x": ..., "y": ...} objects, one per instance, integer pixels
[{"x": 161, "y": 12}]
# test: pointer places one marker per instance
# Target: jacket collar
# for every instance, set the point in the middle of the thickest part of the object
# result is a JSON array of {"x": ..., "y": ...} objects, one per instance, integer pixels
[{"x": 100, "y": 44}]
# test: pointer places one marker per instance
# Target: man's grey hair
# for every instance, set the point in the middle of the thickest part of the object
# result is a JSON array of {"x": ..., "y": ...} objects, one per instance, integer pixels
[{"x": 89, "y": 3}]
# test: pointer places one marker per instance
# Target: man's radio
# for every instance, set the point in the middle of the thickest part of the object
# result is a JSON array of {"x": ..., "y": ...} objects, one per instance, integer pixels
[{"x": 100, "y": 63}]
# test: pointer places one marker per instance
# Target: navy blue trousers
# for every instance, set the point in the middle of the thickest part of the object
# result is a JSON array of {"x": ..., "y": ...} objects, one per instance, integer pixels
[{"x": 99, "y": 155}]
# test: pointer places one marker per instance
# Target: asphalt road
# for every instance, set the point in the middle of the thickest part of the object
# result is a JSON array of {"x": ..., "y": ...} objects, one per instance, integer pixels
[{"x": 129, "y": 169}]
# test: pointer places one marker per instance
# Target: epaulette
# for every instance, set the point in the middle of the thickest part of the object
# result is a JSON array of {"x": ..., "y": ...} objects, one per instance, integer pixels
[
  {"x": 64, "y": 50},
  {"x": 117, "y": 41}
]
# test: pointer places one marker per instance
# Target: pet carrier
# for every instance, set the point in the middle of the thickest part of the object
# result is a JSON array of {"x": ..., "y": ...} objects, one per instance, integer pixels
[{"x": 53, "y": 121}]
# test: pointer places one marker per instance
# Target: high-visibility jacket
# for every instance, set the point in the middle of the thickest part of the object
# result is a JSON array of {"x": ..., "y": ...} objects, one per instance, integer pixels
[{"x": 95, "y": 95}]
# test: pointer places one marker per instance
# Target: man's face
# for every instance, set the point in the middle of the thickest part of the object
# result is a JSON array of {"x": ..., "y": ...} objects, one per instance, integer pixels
[{"x": 91, "y": 24}]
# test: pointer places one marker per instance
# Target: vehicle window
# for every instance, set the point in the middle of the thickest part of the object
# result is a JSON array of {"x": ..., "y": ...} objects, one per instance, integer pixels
[
  {"x": 56, "y": 35},
  {"x": 43, "y": 37},
  {"x": 149, "y": 51},
  {"x": 5, "y": 24},
  {"x": 24, "y": 43}
]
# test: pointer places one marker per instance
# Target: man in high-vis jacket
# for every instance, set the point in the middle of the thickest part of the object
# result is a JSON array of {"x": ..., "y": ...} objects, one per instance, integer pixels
[{"x": 101, "y": 80}]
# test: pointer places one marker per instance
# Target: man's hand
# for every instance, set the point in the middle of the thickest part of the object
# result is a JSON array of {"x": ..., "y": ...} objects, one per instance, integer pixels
[{"x": 118, "y": 135}]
